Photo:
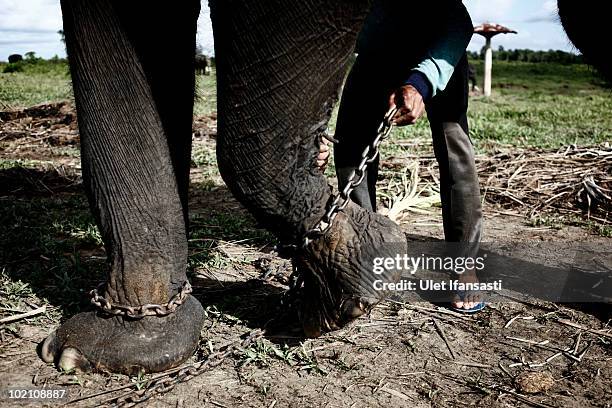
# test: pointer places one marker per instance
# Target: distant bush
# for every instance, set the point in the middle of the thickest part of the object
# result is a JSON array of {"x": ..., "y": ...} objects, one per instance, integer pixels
[
  {"x": 31, "y": 64},
  {"x": 14, "y": 58},
  {"x": 31, "y": 57},
  {"x": 524, "y": 55},
  {"x": 13, "y": 67}
]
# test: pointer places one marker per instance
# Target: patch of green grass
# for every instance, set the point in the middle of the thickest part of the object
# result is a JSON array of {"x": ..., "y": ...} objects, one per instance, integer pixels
[
  {"x": 207, "y": 230},
  {"x": 213, "y": 313},
  {"x": 559, "y": 221},
  {"x": 542, "y": 77},
  {"x": 16, "y": 297},
  {"x": 541, "y": 120},
  {"x": 44, "y": 244},
  {"x": 546, "y": 221},
  {"x": 140, "y": 380},
  {"x": 593, "y": 227},
  {"x": 228, "y": 227},
  {"x": 43, "y": 81},
  {"x": 86, "y": 233},
  {"x": 204, "y": 157},
  {"x": 206, "y": 94},
  {"x": 533, "y": 105},
  {"x": 541, "y": 105},
  {"x": 47, "y": 81},
  {"x": 601, "y": 230},
  {"x": 16, "y": 164},
  {"x": 263, "y": 352}
]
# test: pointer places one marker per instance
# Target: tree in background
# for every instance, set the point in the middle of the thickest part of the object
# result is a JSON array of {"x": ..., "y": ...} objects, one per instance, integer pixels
[{"x": 526, "y": 55}]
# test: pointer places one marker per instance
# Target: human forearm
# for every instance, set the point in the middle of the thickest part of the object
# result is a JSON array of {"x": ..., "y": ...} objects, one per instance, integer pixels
[{"x": 439, "y": 63}]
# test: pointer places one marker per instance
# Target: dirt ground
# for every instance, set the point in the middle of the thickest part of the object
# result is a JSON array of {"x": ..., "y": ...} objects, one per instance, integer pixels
[{"x": 517, "y": 352}]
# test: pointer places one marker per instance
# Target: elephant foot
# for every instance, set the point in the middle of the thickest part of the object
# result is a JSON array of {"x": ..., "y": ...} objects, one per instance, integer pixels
[
  {"x": 341, "y": 282},
  {"x": 91, "y": 341}
]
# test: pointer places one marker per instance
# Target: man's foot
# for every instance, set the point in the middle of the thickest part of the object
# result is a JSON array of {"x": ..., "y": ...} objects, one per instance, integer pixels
[
  {"x": 469, "y": 301},
  {"x": 324, "y": 153}
]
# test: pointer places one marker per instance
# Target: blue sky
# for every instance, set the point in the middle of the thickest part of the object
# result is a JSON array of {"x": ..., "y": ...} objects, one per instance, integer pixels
[{"x": 31, "y": 25}]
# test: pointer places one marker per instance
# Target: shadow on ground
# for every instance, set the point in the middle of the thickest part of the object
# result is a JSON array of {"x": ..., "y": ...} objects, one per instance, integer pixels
[
  {"x": 255, "y": 303},
  {"x": 50, "y": 242}
]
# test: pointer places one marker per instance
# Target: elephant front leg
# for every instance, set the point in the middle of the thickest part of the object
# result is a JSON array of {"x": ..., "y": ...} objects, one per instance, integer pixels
[
  {"x": 135, "y": 147},
  {"x": 279, "y": 70}
]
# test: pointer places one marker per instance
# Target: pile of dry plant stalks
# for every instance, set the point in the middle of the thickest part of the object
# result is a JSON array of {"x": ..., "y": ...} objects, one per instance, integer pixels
[
  {"x": 415, "y": 191},
  {"x": 573, "y": 180}
]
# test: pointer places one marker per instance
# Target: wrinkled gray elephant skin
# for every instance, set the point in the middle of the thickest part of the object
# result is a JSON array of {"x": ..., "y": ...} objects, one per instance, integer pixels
[{"x": 280, "y": 65}]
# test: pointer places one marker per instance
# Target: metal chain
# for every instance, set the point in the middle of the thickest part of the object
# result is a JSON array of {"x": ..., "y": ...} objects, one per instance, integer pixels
[
  {"x": 340, "y": 201},
  {"x": 138, "y": 312},
  {"x": 166, "y": 382}
]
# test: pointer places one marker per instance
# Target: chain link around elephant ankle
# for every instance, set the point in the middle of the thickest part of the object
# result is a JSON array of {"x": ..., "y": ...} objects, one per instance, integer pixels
[
  {"x": 341, "y": 200},
  {"x": 138, "y": 312}
]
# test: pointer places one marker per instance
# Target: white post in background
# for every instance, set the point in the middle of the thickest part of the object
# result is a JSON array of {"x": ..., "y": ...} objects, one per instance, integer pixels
[{"x": 488, "y": 68}]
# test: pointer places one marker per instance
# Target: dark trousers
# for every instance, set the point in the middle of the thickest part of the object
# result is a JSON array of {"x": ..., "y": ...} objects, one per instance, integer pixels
[{"x": 365, "y": 102}]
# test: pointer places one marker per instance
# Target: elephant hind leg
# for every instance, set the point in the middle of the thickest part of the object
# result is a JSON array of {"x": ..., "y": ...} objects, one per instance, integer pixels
[{"x": 134, "y": 155}]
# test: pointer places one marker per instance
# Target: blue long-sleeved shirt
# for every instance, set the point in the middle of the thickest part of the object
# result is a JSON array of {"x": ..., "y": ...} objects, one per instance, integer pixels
[{"x": 428, "y": 38}]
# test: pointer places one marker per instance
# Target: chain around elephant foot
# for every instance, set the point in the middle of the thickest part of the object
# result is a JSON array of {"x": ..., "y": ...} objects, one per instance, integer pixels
[
  {"x": 339, "y": 279},
  {"x": 102, "y": 342}
]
